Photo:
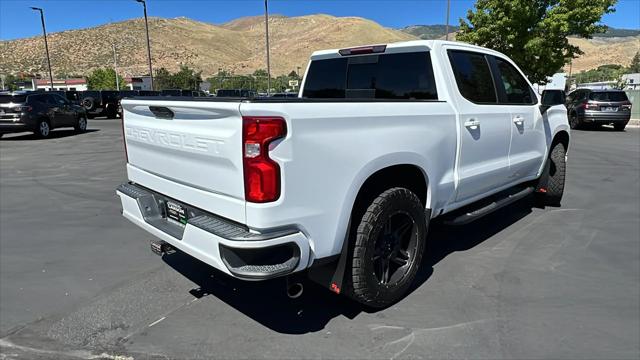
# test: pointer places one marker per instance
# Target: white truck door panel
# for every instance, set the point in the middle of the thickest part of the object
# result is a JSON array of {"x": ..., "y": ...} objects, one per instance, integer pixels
[
  {"x": 485, "y": 126},
  {"x": 484, "y": 146},
  {"x": 528, "y": 144}
]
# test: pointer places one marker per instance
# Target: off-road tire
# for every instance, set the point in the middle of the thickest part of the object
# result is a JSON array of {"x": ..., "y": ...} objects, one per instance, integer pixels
[
  {"x": 553, "y": 177},
  {"x": 362, "y": 284},
  {"x": 88, "y": 103}
]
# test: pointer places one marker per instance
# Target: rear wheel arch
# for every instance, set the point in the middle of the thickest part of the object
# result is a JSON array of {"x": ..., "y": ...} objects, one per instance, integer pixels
[
  {"x": 407, "y": 176},
  {"x": 561, "y": 137}
]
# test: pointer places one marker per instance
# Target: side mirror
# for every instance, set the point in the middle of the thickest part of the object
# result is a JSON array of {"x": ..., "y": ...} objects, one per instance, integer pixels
[{"x": 551, "y": 98}]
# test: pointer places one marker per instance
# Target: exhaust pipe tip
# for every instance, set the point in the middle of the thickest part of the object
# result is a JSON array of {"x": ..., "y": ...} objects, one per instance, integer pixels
[{"x": 294, "y": 290}]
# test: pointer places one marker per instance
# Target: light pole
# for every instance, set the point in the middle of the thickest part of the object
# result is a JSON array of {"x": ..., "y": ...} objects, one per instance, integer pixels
[
  {"x": 146, "y": 25},
  {"x": 266, "y": 24},
  {"x": 446, "y": 36},
  {"x": 46, "y": 45},
  {"x": 115, "y": 67}
]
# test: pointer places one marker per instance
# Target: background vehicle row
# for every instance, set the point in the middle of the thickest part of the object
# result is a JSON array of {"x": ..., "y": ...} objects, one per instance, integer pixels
[{"x": 39, "y": 113}]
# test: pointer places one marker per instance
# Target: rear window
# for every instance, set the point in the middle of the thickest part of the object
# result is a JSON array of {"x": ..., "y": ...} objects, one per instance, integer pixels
[
  {"x": 5, "y": 99},
  {"x": 608, "y": 96},
  {"x": 384, "y": 76}
]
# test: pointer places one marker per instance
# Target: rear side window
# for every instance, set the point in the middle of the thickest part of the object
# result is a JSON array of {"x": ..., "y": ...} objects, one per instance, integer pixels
[
  {"x": 608, "y": 96},
  {"x": 5, "y": 99},
  {"x": 515, "y": 86},
  {"x": 473, "y": 76},
  {"x": 386, "y": 76},
  {"x": 48, "y": 99},
  {"x": 326, "y": 79}
]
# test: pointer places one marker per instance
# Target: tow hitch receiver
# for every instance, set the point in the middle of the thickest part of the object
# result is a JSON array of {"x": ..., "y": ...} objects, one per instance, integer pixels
[{"x": 160, "y": 247}]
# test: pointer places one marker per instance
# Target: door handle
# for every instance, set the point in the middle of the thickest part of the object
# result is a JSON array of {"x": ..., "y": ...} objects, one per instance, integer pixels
[
  {"x": 518, "y": 120},
  {"x": 472, "y": 124}
]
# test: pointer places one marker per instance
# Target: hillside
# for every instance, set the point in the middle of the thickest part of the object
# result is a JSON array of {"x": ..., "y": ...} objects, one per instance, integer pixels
[
  {"x": 236, "y": 46},
  {"x": 604, "y": 50},
  {"x": 239, "y": 45},
  {"x": 615, "y": 32},
  {"x": 428, "y": 32}
]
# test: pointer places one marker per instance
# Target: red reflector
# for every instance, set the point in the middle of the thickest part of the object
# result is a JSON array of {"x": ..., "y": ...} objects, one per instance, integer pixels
[
  {"x": 261, "y": 174},
  {"x": 542, "y": 190},
  {"x": 335, "y": 288},
  {"x": 363, "y": 50}
]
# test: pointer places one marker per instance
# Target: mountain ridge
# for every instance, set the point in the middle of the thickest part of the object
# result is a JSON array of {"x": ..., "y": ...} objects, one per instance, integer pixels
[{"x": 236, "y": 46}]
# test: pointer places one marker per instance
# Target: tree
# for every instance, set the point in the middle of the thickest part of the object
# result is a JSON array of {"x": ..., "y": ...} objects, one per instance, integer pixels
[
  {"x": 534, "y": 32},
  {"x": 162, "y": 79},
  {"x": 103, "y": 79},
  {"x": 10, "y": 81},
  {"x": 635, "y": 63},
  {"x": 186, "y": 79}
]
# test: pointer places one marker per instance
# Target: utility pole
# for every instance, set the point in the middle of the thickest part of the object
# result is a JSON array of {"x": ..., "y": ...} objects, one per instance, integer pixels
[
  {"x": 266, "y": 23},
  {"x": 146, "y": 25},
  {"x": 46, "y": 45},
  {"x": 446, "y": 36},
  {"x": 115, "y": 67}
]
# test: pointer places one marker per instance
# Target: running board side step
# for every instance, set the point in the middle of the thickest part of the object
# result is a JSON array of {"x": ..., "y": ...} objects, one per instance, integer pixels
[{"x": 470, "y": 216}]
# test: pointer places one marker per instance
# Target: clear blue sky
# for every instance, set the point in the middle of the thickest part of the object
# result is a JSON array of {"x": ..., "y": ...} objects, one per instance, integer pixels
[{"x": 17, "y": 20}]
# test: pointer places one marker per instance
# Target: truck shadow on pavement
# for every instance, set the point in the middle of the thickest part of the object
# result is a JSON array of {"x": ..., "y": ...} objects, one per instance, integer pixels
[{"x": 266, "y": 301}]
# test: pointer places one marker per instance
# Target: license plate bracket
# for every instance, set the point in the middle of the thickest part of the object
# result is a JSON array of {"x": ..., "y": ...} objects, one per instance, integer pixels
[{"x": 177, "y": 212}]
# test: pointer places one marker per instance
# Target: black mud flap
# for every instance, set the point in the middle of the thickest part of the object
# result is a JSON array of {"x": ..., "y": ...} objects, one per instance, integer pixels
[{"x": 329, "y": 272}]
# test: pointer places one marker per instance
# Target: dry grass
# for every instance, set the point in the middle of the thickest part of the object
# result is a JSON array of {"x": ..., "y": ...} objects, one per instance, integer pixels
[{"x": 236, "y": 46}]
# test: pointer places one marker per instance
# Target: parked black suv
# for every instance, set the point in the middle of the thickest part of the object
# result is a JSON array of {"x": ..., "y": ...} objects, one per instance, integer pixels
[
  {"x": 100, "y": 103},
  {"x": 598, "y": 107},
  {"x": 38, "y": 112}
]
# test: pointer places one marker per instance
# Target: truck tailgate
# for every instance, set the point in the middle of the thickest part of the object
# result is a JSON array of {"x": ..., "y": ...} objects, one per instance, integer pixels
[{"x": 195, "y": 144}]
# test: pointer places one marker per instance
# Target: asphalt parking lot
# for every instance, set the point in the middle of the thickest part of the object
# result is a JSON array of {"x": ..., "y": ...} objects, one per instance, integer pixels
[{"x": 79, "y": 281}]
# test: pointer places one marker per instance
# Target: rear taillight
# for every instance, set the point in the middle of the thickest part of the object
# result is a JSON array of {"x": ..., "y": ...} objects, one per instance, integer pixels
[
  {"x": 626, "y": 106},
  {"x": 261, "y": 173},
  {"x": 589, "y": 106},
  {"x": 124, "y": 137}
]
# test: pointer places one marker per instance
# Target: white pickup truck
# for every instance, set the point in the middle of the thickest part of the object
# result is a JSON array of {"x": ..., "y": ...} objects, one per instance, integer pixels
[{"x": 340, "y": 183}]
